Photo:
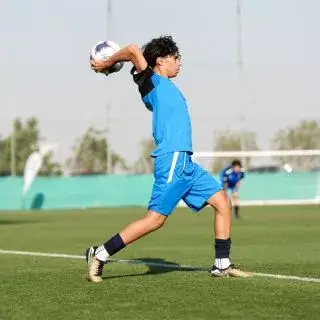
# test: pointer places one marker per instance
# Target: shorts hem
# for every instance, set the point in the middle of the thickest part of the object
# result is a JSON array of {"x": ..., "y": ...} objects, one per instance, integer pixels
[
  {"x": 154, "y": 209},
  {"x": 218, "y": 190}
]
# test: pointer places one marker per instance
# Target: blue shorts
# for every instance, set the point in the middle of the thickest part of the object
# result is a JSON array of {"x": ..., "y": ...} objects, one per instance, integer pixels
[{"x": 177, "y": 178}]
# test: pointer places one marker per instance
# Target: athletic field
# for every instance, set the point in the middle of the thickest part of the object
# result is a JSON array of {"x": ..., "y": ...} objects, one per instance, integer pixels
[{"x": 163, "y": 276}]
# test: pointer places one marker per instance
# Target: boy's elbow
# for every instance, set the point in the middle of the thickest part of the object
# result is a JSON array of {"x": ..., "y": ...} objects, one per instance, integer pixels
[
  {"x": 134, "y": 49},
  {"x": 136, "y": 57}
]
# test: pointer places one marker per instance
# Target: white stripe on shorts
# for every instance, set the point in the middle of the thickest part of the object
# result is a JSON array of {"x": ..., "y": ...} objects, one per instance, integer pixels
[{"x": 173, "y": 166}]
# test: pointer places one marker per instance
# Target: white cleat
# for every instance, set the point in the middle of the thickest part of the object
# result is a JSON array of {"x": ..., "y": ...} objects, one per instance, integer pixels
[
  {"x": 231, "y": 271},
  {"x": 95, "y": 266}
]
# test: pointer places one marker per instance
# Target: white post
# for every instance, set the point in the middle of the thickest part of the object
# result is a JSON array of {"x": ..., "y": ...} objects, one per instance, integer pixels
[
  {"x": 242, "y": 117},
  {"x": 13, "y": 151},
  {"x": 109, "y": 153}
]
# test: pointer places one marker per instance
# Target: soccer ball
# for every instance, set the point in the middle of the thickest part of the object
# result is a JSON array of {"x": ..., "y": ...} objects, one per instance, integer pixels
[{"x": 102, "y": 51}]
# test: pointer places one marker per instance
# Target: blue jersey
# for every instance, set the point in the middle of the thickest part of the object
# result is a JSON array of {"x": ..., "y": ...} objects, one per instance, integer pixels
[
  {"x": 230, "y": 177},
  {"x": 171, "y": 126}
]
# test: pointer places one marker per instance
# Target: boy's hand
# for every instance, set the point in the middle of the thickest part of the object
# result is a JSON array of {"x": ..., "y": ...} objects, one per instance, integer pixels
[{"x": 99, "y": 66}]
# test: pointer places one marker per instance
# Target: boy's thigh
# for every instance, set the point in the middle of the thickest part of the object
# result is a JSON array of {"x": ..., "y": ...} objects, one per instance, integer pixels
[
  {"x": 204, "y": 186},
  {"x": 165, "y": 196},
  {"x": 170, "y": 184}
]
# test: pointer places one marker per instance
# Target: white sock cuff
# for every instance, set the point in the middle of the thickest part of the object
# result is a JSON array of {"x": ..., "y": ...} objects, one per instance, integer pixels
[
  {"x": 102, "y": 254},
  {"x": 223, "y": 263}
]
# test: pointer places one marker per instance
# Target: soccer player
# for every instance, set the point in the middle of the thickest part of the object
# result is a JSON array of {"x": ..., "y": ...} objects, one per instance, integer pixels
[
  {"x": 230, "y": 180},
  {"x": 176, "y": 175}
]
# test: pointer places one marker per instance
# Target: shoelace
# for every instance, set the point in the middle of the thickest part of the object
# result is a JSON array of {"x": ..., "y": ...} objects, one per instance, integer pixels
[
  {"x": 100, "y": 268},
  {"x": 97, "y": 267}
]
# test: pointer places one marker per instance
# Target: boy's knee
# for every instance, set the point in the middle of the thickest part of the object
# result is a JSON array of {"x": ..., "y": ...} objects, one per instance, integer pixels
[
  {"x": 221, "y": 202},
  {"x": 224, "y": 205},
  {"x": 155, "y": 220}
]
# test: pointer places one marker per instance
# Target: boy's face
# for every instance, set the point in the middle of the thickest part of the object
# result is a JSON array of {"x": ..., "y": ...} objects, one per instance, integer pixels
[
  {"x": 171, "y": 65},
  {"x": 236, "y": 168}
]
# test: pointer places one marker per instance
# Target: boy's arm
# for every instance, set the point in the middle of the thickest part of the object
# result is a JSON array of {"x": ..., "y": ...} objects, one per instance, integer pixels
[
  {"x": 224, "y": 179},
  {"x": 129, "y": 53},
  {"x": 239, "y": 182}
]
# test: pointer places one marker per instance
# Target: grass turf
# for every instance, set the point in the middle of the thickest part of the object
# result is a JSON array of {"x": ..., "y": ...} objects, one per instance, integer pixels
[{"x": 278, "y": 240}]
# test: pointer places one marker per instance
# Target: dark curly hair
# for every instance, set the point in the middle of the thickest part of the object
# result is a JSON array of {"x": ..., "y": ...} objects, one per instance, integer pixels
[
  {"x": 236, "y": 163},
  {"x": 160, "y": 47}
]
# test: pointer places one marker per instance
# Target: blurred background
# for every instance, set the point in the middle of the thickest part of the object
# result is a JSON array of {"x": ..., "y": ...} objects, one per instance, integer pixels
[{"x": 250, "y": 74}]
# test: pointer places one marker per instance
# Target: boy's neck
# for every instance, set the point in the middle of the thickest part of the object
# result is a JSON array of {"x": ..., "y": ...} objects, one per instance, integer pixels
[{"x": 160, "y": 72}]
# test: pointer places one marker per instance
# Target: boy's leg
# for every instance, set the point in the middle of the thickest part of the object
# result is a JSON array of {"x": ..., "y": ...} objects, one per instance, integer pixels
[
  {"x": 132, "y": 232},
  {"x": 235, "y": 200},
  {"x": 222, "y": 228},
  {"x": 96, "y": 257},
  {"x": 222, "y": 265},
  {"x": 150, "y": 222},
  {"x": 206, "y": 190},
  {"x": 168, "y": 189},
  {"x": 222, "y": 222}
]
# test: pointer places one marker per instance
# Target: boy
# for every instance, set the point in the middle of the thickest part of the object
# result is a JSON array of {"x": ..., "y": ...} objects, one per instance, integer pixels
[
  {"x": 230, "y": 180},
  {"x": 176, "y": 176}
]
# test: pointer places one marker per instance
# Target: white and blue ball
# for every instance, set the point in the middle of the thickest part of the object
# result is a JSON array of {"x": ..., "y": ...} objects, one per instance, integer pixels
[{"x": 103, "y": 50}]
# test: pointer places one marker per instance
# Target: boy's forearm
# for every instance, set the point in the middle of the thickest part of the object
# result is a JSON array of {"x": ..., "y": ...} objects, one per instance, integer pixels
[
  {"x": 129, "y": 53},
  {"x": 124, "y": 54}
]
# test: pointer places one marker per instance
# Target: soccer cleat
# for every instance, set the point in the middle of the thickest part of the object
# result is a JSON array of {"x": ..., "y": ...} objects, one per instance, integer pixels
[
  {"x": 95, "y": 266},
  {"x": 231, "y": 271},
  {"x": 89, "y": 254}
]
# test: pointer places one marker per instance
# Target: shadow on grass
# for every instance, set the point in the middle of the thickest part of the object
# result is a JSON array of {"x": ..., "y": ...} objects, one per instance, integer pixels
[
  {"x": 155, "y": 266},
  {"x": 14, "y": 222}
]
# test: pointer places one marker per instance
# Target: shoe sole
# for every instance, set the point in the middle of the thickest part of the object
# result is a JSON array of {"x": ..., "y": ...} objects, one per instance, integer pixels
[
  {"x": 227, "y": 274},
  {"x": 221, "y": 275}
]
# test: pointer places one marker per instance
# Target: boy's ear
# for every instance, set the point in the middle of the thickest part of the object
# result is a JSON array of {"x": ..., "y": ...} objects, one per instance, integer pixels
[{"x": 160, "y": 61}]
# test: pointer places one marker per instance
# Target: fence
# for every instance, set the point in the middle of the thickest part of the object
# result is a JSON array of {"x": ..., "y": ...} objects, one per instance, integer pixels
[{"x": 134, "y": 190}]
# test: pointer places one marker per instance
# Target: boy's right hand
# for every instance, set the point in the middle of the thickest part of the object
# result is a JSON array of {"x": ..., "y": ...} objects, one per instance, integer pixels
[{"x": 99, "y": 66}]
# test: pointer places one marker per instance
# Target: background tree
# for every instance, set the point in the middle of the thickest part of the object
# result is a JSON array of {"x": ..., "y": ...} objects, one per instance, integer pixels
[
  {"x": 25, "y": 139},
  {"x": 144, "y": 165},
  {"x": 233, "y": 141},
  {"x": 304, "y": 136},
  {"x": 50, "y": 168},
  {"x": 90, "y": 154}
]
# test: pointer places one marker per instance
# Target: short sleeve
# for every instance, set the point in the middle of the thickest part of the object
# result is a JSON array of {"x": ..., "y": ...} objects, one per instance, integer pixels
[{"x": 144, "y": 80}]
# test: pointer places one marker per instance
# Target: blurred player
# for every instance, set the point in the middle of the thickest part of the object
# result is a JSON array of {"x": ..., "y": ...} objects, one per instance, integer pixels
[
  {"x": 230, "y": 180},
  {"x": 177, "y": 177}
]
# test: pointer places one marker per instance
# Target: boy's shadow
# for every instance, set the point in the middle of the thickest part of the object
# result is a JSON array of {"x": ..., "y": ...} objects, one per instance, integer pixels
[{"x": 155, "y": 266}]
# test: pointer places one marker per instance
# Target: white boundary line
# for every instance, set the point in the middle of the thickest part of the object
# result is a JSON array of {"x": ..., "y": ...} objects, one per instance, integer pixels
[
  {"x": 156, "y": 264},
  {"x": 249, "y": 203}
]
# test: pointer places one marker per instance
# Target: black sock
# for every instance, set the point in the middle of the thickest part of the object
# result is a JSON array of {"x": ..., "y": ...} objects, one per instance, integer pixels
[
  {"x": 114, "y": 244},
  {"x": 236, "y": 211},
  {"x": 222, "y": 248}
]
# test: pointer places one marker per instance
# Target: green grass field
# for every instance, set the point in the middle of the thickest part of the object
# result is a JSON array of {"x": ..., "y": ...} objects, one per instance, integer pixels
[{"x": 273, "y": 240}]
